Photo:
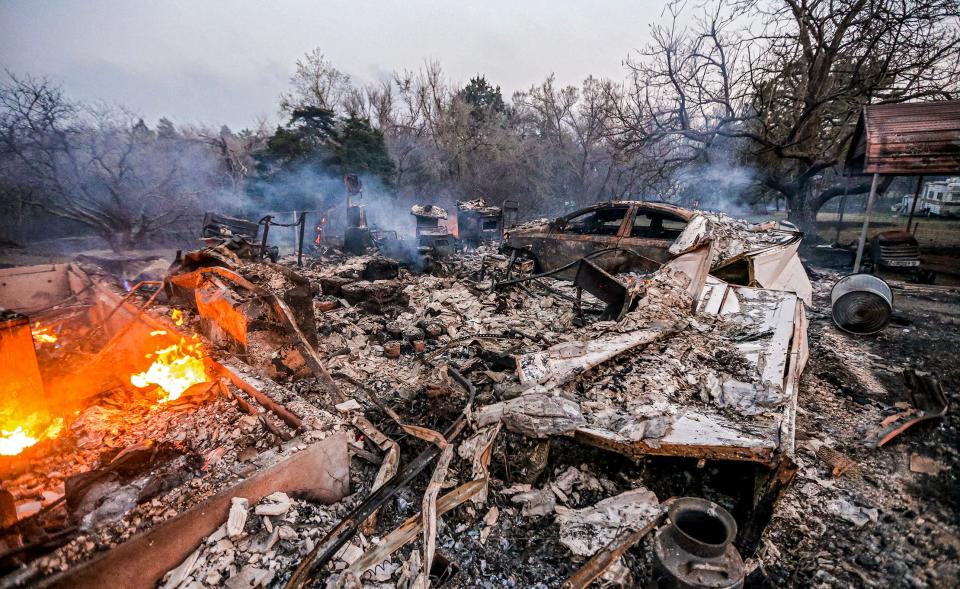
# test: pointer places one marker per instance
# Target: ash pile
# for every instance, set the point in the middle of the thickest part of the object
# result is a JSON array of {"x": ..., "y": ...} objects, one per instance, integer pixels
[{"x": 487, "y": 421}]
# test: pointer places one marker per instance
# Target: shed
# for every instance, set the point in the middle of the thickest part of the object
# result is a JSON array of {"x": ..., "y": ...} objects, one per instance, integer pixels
[
  {"x": 908, "y": 139},
  {"x": 905, "y": 139}
]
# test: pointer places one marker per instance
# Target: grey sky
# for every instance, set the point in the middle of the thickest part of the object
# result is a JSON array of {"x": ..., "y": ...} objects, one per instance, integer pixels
[{"x": 227, "y": 61}]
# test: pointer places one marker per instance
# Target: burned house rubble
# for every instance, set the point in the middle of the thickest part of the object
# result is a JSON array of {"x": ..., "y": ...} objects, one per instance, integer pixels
[{"x": 228, "y": 420}]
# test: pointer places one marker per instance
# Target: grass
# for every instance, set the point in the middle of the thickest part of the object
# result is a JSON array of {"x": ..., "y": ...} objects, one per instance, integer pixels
[{"x": 929, "y": 231}]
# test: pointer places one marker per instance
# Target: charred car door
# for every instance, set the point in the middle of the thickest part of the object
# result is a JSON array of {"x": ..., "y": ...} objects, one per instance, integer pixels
[{"x": 579, "y": 234}]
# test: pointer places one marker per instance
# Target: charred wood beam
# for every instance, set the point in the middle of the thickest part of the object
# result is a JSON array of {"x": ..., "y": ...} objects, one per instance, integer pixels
[
  {"x": 610, "y": 553},
  {"x": 350, "y": 525}
]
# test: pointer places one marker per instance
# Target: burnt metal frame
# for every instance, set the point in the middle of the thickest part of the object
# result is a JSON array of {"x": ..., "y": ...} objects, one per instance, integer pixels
[
  {"x": 598, "y": 282},
  {"x": 267, "y": 221},
  {"x": 554, "y": 234}
]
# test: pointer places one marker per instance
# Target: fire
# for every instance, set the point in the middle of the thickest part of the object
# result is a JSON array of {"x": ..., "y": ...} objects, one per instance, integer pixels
[
  {"x": 43, "y": 334},
  {"x": 14, "y": 442},
  {"x": 28, "y": 433},
  {"x": 177, "y": 316},
  {"x": 175, "y": 369}
]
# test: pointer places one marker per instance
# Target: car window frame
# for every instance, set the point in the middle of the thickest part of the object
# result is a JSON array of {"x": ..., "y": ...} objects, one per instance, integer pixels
[
  {"x": 639, "y": 208},
  {"x": 627, "y": 217}
]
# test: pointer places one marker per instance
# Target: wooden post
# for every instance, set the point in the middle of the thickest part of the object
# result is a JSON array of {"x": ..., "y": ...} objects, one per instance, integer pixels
[
  {"x": 913, "y": 207},
  {"x": 866, "y": 222},
  {"x": 842, "y": 207}
]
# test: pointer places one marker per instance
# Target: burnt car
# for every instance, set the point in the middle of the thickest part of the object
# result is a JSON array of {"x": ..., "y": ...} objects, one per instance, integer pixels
[
  {"x": 895, "y": 250},
  {"x": 618, "y": 235},
  {"x": 898, "y": 252}
]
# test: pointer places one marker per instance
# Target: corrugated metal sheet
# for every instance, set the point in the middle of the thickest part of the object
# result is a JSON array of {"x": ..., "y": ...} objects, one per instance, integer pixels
[{"x": 907, "y": 139}]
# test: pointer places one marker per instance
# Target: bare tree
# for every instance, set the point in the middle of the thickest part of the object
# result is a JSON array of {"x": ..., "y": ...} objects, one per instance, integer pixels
[
  {"x": 571, "y": 123},
  {"x": 783, "y": 96},
  {"x": 235, "y": 153},
  {"x": 316, "y": 82},
  {"x": 100, "y": 168}
]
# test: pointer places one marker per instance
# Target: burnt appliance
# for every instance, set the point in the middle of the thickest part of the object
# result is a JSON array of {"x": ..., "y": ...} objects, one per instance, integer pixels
[
  {"x": 434, "y": 240},
  {"x": 357, "y": 237},
  {"x": 478, "y": 222},
  {"x": 895, "y": 250}
]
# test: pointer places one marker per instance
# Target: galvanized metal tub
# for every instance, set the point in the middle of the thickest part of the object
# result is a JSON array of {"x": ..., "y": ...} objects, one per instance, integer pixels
[{"x": 861, "y": 304}]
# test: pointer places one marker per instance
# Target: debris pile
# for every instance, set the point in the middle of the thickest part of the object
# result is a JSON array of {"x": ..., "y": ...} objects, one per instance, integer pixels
[{"x": 368, "y": 424}]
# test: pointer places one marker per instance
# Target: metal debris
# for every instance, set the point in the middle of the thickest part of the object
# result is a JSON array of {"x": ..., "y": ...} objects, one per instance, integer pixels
[{"x": 927, "y": 401}]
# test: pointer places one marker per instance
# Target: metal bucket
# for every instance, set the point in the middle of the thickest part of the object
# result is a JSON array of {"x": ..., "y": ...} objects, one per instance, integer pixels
[{"x": 861, "y": 304}]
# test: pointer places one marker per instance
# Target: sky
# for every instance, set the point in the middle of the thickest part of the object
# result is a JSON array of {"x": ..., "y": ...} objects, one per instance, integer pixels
[{"x": 227, "y": 61}]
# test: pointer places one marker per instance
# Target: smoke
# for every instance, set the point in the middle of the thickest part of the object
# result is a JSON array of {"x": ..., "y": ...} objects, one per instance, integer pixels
[
  {"x": 319, "y": 193},
  {"x": 385, "y": 211},
  {"x": 718, "y": 186}
]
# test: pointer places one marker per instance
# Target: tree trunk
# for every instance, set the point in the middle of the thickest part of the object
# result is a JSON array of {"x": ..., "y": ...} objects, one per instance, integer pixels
[
  {"x": 122, "y": 240},
  {"x": 803, "y": 214}
]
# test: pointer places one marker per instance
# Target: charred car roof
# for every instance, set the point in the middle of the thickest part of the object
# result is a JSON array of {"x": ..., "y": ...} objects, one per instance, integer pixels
[{"x": 664, "y": 207}]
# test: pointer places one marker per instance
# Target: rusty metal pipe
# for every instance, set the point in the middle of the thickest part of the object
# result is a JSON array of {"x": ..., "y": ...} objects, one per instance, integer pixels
[
  {"x": 695, "y": 549},
  {"x": 264, "y": 399}
]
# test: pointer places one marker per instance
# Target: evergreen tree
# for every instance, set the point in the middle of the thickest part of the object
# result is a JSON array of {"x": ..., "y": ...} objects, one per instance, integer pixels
[
  {"x": 484, "y": 98},
  {"x": 313, "y": 146},
  {"x": 361, "y": 150},
  {"x": 165, "y": 129}
]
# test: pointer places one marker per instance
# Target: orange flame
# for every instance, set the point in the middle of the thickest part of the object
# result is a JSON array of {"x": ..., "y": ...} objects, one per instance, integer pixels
[
  {"x": 177, "y": 316},
  {"x": 175, "y": 369},
  {"x": 43, "y": 334},
  {"x": 29, "y": 432}
]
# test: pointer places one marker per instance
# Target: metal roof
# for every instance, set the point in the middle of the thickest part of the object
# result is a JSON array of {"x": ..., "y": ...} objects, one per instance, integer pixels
[{"x": 911, "y": 138}]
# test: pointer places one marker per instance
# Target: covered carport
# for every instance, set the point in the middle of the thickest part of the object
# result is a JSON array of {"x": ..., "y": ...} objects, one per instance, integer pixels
[{"x": 908, "y": 139}]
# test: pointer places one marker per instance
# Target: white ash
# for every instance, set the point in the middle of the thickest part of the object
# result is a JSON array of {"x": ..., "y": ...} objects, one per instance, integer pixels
[{"x": 262, "y": 554}]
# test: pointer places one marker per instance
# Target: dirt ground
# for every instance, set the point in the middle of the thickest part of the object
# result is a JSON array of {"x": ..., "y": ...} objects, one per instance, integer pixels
[{"x": 850, "y": 385}]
